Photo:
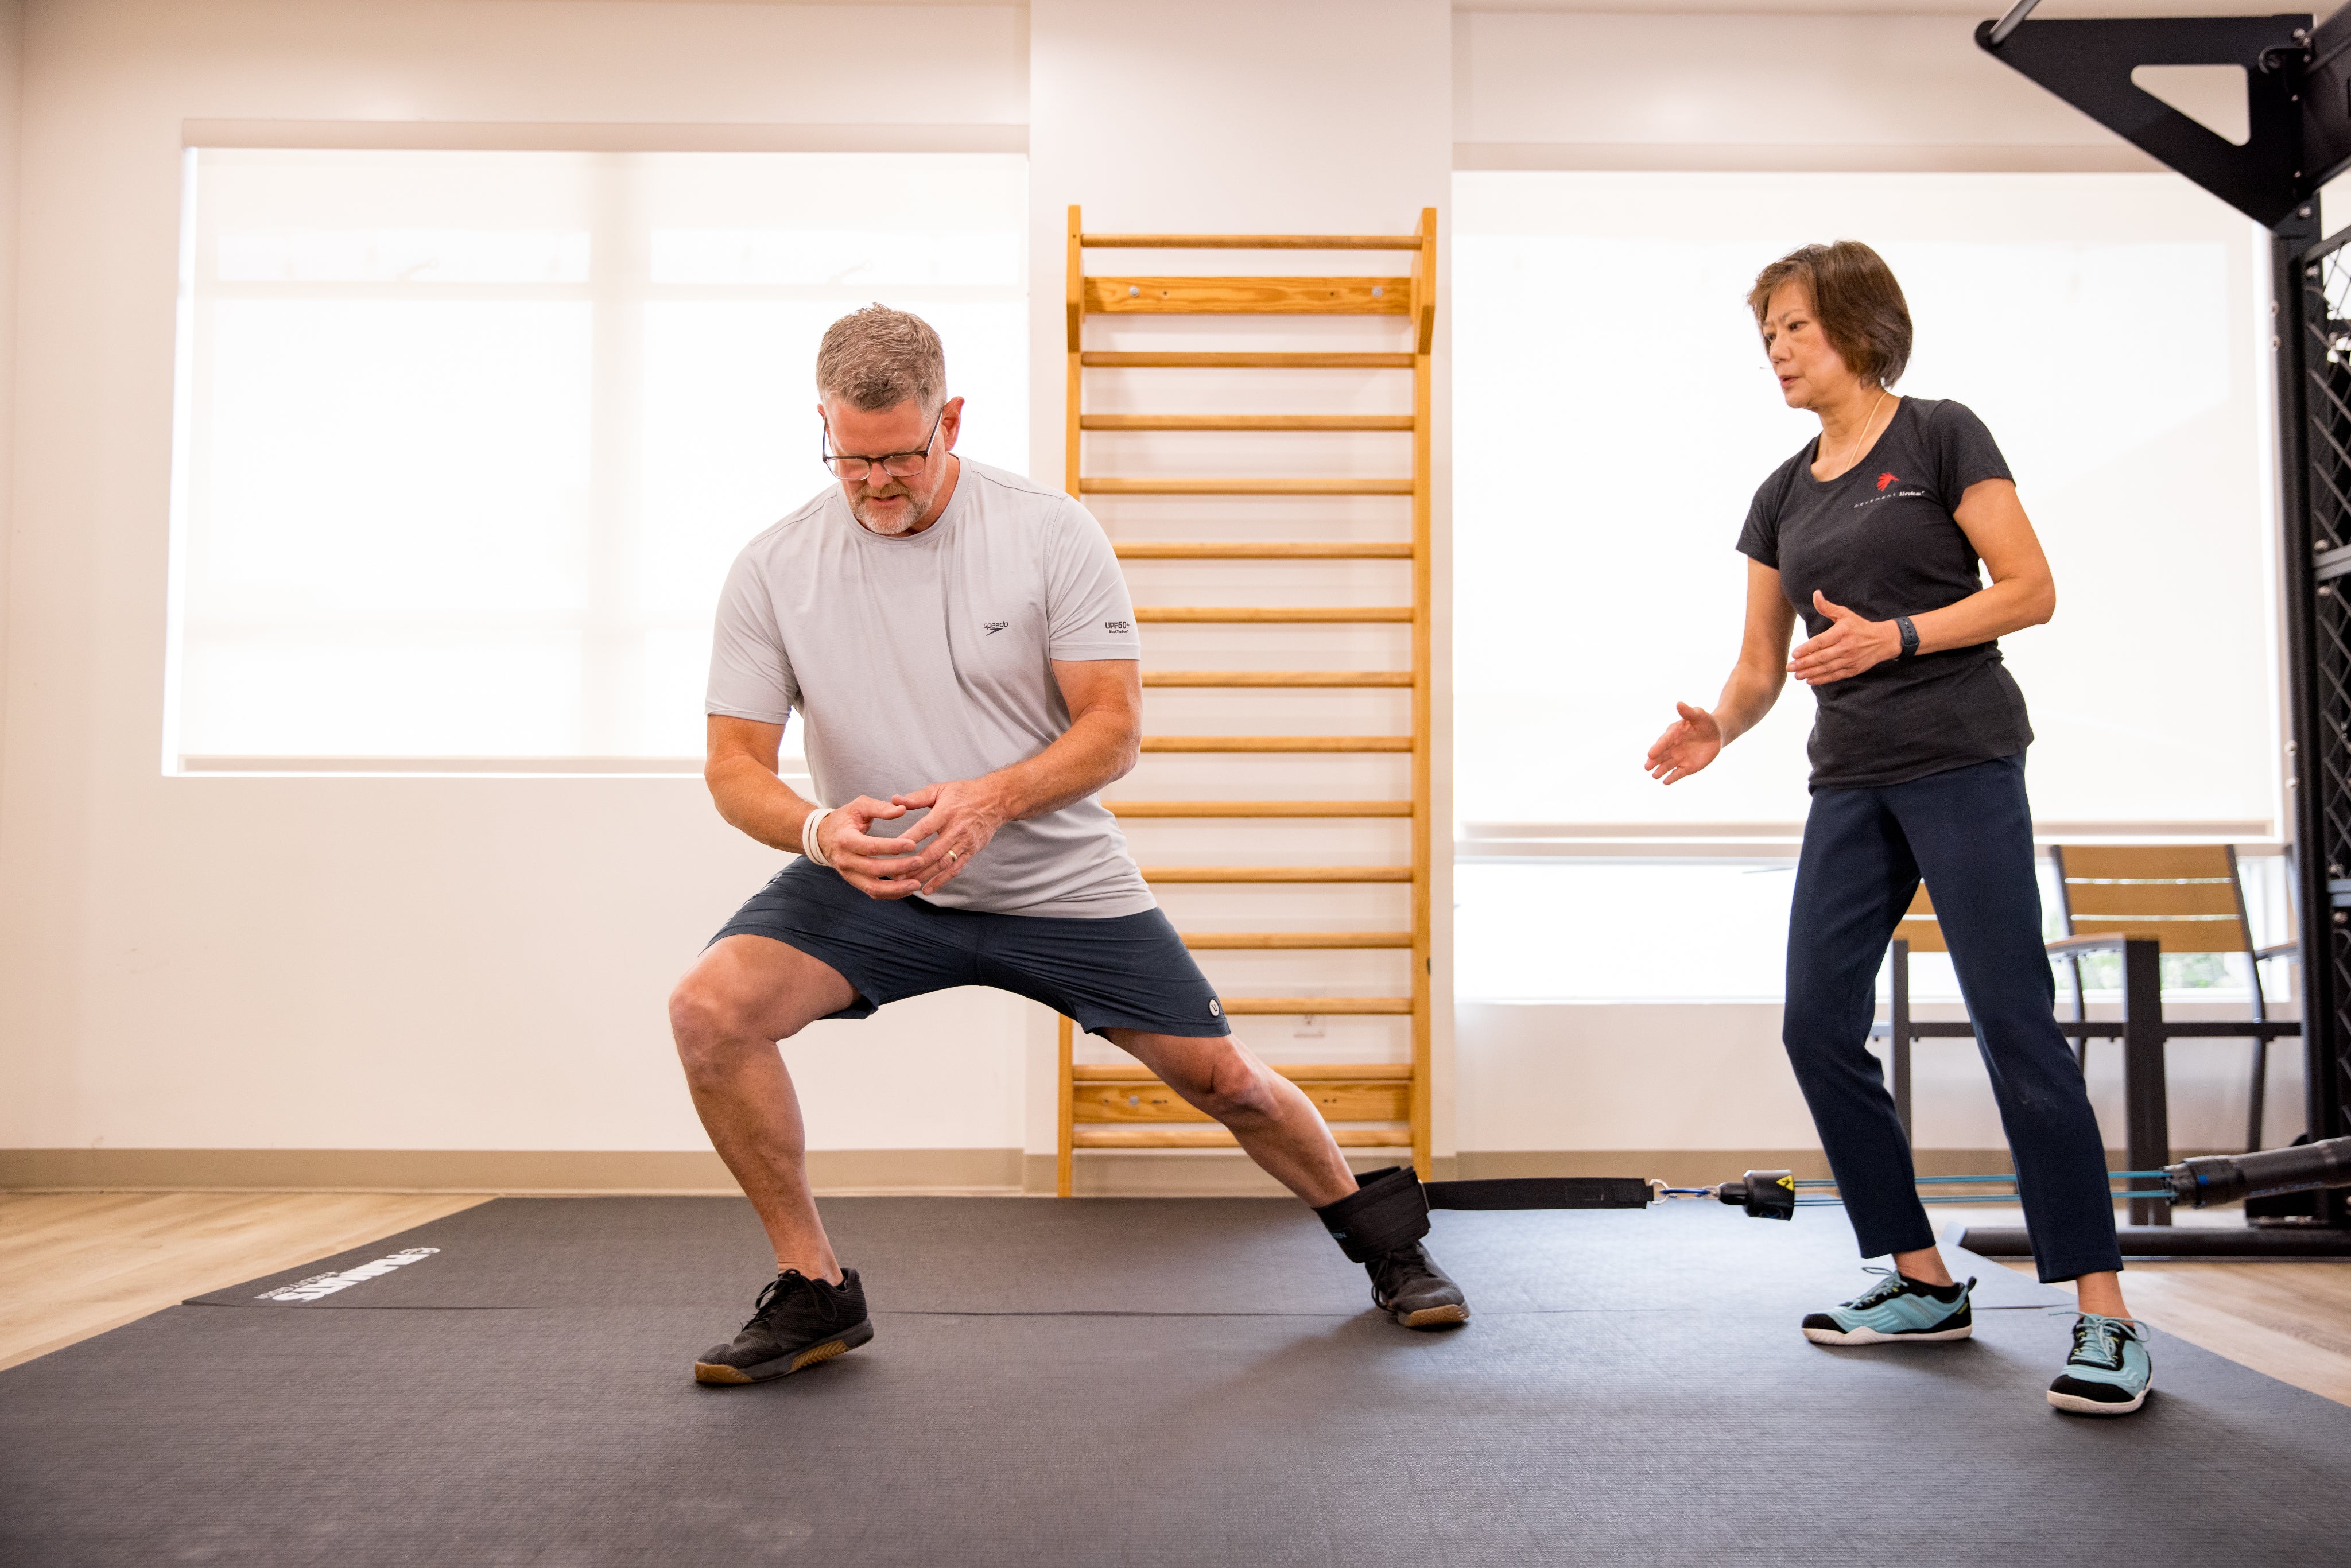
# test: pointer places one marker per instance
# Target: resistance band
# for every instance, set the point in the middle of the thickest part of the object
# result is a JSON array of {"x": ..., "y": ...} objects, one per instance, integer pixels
[{"x": 1773, "y": 1195}]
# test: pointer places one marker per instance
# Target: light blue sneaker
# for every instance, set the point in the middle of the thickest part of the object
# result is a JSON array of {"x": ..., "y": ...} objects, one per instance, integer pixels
[
  {"x": 1894, "y": 1310},
  {"x": 2109, "y": 1371}
]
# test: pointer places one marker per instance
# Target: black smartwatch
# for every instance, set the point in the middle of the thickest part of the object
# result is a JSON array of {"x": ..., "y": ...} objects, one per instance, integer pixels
[{"x": 1909, "y": 637}]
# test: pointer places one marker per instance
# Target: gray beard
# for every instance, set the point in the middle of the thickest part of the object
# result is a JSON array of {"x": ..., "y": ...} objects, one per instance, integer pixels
[{"x": 917, "y": 506}]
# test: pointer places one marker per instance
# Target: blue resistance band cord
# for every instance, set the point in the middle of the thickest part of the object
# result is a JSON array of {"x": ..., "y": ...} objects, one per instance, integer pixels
[
  {"x": 1979, "y": 1180},
  {"x": 1965, "y": 1197},
  {"x": 2010, "y": 1181}
]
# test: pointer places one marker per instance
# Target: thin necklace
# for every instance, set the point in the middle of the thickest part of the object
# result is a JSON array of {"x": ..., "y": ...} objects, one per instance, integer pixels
[{"x": 1854, "y": 450}]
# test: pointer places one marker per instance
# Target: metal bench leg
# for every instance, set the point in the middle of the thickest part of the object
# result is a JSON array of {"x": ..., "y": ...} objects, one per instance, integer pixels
[
  {"x": 2260, "y": 1092},
  {"x": 2145, "y": 1098}
]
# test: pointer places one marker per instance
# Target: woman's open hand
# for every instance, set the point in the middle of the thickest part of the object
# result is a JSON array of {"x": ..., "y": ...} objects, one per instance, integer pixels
[
  {"x": 1849, "y": 646},
  {"x": 1689, "y": 743}
]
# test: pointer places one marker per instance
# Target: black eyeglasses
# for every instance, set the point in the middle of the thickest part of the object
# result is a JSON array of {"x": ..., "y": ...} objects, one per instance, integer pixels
[{"x": 897, "y": 465}]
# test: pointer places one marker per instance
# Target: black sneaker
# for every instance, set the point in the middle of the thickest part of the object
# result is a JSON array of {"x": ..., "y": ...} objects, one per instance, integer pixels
[
  {"x": 797, "y": 1323},
  {"x": 1409, "y": 1287}
]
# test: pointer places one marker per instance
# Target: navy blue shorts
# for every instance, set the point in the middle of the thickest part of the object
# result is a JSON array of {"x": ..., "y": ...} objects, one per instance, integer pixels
[{"x": 1131, "y": 971}]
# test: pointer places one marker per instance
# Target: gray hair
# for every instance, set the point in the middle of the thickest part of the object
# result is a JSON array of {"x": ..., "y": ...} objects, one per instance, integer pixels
[{"x": 878, "y": 358}]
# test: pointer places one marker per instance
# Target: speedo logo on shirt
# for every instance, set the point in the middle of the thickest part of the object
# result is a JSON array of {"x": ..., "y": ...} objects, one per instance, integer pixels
[
  {"x": 995, "y": 626},
  {"x": 1117, "y": 626}
]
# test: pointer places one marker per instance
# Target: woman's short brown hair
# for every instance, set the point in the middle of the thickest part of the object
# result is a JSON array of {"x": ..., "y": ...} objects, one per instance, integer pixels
[{"x": 1857, "y": 300}]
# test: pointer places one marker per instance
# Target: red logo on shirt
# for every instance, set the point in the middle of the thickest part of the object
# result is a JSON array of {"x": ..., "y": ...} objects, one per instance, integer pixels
[{"x": 1886, "y": 478}]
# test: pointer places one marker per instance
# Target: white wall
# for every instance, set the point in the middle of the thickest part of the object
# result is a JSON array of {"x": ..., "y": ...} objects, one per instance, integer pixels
[
  {"x": 303, "y": 963},
  {"x": 192, "y": 962},
  {"x": 237, "y": 963},
  {"x": 11, "y": 40},
  {"x": 1597, "y": 1076},
  {"x": 1544, "y": 86},
  {"x": 1756, "y": 91}
]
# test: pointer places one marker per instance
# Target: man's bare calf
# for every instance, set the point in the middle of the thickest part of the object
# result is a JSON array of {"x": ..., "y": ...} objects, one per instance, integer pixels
[
  {"x": 1276, "y": 1124},
  {"x": 745, "y": 995}
]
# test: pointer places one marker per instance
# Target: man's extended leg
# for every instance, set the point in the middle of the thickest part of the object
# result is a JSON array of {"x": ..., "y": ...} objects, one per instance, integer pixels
[
  {"x": 1279, "y": 1127},
  {"x": 1276, "y": 1124},
  {"x": 746, "y": 994}
]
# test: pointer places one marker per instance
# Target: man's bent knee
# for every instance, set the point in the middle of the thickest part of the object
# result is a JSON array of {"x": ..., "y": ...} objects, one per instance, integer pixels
[
  {"x": 712, "y": 1026},
  {"x": 1235, "y": 1088}
]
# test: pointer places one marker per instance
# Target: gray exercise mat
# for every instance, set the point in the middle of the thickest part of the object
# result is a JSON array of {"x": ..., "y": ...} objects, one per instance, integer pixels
[
  {"x": 1098, "y": 1255},
  {"x": 571, "y": 1434}
]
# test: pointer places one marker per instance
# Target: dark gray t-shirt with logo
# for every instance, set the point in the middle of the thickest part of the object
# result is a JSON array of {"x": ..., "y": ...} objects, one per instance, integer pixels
[
  {"x": 1880, "y": 540},
  {"x": 928, "y": 659}
]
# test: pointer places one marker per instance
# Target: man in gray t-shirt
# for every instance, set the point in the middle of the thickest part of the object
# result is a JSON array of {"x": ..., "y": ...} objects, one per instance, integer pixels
[{"x": 959, "y": 645}]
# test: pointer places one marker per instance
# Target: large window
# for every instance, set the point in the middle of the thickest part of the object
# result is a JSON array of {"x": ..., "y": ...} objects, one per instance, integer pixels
[
  {"x": 1613, "y": 417},
  {"x": 466, "y": 439}
]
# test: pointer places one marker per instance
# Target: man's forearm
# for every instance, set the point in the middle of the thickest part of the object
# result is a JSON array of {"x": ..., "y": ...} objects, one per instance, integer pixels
[
  {"x": 1093, "y": 753},
  {"x": 755, "y": 801}
]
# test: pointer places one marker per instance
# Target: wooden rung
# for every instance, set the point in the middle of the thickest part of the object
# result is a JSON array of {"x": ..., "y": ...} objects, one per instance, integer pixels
[
  {"x": 2200, "y": 899},
  {"x": 1153, "y": 1104},
  {"x": 1276, "y": 874},
  {"x": 1277, "y": 678},
  {"x": 1245, "y": 421},
  {"x": 1387, "y": 1136},
  {"x": 1293, "y": 941},
  {"x": 1245, "y": 360},
  {"x": 1250, "y": 242},
  {"x": 1333, "y": 1007},
  {"x": 1316, "y": 743},
  {"x": 1263, "y": 550},
  {"x": 1296, "y": 1072},
  {"x": 1278, "y": 296},
  {"x": 1299, "y": 614},
  {"x": 1120, "y": 486},
  {"x": 2134, "y": 862},
  {"x": 1260, "y": 808}
]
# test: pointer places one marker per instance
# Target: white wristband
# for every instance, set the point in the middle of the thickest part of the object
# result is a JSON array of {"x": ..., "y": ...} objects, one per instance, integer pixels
[{"x": 807, "y": 836}]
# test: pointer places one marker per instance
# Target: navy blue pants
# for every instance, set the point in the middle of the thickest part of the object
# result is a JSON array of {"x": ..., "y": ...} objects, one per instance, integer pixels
[{"x": 1968, "y": 832}]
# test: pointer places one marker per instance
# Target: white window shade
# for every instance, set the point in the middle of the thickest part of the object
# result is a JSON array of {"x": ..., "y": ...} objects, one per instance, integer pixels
[
  {"x": 1613, "y": 417},
  {"x": 467, "y": 440}
]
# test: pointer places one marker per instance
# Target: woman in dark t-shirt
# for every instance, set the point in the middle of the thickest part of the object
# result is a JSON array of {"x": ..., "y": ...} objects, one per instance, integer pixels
[{"x": 1874, "y": 533}]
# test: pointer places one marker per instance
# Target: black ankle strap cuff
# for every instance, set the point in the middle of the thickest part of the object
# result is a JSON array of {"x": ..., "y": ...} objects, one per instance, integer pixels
[{"x": 1388, "y": 1211}]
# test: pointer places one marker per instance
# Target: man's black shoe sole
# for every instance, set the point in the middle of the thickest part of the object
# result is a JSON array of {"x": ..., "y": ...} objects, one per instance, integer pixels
[
  {"x": 1432, "y": 1317},
  {"x": 841, "y": 1343}
]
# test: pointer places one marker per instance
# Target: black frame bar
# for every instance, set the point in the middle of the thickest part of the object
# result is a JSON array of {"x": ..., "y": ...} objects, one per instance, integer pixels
[{"x": 2298, "y": 80}]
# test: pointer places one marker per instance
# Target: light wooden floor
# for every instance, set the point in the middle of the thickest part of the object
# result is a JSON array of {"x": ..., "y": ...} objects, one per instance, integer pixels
[
  {"x": 77, "y": 1264},
  {"x": 2292, "y": 1320}
]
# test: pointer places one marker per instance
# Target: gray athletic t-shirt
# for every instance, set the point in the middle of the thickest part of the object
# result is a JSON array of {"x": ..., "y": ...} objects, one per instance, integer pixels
[{"x": 928, "y": 659}]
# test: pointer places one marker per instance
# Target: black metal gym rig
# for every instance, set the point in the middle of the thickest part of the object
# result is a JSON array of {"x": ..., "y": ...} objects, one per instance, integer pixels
[{"x": 2298, "y": 102}]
